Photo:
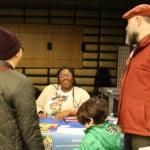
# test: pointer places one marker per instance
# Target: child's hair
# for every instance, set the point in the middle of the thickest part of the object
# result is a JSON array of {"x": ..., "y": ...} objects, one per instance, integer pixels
[{"x": 94, "y": 108}]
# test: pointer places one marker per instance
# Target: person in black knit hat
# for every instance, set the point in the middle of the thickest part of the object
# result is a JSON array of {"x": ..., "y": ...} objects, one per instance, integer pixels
[
  {"x": 9, "y": 44},
  {"x": 19, "y": 126}
]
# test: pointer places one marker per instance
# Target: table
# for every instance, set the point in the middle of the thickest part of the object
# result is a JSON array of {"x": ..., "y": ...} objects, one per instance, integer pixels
[
  {"x": 112, "y": 94},
  {"x": 62, "y": 135}
]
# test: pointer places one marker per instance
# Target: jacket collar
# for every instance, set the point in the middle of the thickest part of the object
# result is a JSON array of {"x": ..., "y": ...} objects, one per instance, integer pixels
[
  {"x": 5, "y": 64},
  {"x": 144, "y": 42}
]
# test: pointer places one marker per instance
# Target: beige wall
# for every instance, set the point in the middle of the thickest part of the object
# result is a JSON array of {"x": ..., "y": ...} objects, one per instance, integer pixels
[{"x": 66, "y": 45}]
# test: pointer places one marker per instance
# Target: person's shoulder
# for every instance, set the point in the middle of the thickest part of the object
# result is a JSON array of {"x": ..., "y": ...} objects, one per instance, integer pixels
[
  {"x": 82, "y": 92},
  {"x": 89, "y": 136},
  {"x": 80, "y": 89},
  {"x": 51, "y": 87},
  {"x": 111, "y": 128},
  {"x": 15, "y": 75}
]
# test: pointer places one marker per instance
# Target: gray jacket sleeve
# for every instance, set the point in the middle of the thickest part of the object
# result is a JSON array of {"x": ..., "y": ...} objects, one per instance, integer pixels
[{"x": 25, "y": 106}]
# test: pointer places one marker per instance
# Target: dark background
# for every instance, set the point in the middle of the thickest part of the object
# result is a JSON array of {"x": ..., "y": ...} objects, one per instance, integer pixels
[{"x": 81, "y": 4}]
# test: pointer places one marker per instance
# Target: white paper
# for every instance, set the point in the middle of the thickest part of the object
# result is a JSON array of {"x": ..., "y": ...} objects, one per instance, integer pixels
[{"x": 145, "y": 148}]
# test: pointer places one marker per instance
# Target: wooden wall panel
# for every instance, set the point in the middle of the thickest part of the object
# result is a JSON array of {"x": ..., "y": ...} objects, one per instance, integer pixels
[
  {"x": 101, "y": 32},
  {"x": 66, "y": 45}
]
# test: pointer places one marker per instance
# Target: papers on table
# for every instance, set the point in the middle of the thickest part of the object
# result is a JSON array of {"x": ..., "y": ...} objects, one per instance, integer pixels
[
  {"x": 48, "y": 128},
  {"x": 145, "y": 148},
  {"x": 75, "y": 131}
]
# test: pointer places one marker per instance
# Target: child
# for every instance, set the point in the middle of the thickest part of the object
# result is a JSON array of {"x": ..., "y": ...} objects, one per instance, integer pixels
[{"x": 100, "y": 134}]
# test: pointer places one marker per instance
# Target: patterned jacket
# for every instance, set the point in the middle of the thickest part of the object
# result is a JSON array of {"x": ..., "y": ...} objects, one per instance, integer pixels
[{"x": 106, "y": 136}]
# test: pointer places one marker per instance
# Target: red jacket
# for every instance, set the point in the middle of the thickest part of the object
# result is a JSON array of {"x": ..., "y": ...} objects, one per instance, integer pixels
[{"x": 134, "y": 102}]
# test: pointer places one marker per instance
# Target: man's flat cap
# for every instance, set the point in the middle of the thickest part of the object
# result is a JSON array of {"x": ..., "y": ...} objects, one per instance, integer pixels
[{"x": 142, "y": 10}]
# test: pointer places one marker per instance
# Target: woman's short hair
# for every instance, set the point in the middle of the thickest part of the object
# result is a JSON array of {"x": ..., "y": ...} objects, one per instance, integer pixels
[
  {"x": 95, "y": 108},
  {"x": 70, "y": 70}
]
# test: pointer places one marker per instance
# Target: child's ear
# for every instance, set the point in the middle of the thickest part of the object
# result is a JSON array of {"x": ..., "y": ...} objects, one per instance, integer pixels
[{"x": 91, "y": 121}]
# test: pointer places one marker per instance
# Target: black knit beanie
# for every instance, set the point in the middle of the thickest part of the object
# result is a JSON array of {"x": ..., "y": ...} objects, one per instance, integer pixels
[{"x": 9, "y": 44}]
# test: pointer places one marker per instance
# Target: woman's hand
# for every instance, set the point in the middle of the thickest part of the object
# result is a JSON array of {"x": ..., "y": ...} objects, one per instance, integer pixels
[
  {"x": 61, "y": 115},
  {"x": 41, "y": 114}
]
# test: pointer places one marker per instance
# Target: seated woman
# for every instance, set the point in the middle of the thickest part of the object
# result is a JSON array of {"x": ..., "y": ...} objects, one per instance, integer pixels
[
  {"x": 63, "y": 99},
  {"x": 100, "y": 134}
]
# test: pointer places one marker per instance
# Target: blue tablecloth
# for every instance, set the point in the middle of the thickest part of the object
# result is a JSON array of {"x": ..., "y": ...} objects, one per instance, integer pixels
[
  {"x": 66, "y": 136},
  {"x": 73, "y": 124}
]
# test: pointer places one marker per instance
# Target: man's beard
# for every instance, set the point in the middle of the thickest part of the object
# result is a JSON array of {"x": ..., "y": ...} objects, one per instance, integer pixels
[{"x": 131, "y": 39}]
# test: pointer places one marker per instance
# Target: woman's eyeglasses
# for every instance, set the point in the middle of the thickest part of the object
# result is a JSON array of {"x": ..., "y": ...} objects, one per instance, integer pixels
[{"x": 61, "y": 76}]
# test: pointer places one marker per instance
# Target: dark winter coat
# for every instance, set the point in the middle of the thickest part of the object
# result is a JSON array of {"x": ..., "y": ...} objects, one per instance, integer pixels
[{"x": 19, "y": 128}]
